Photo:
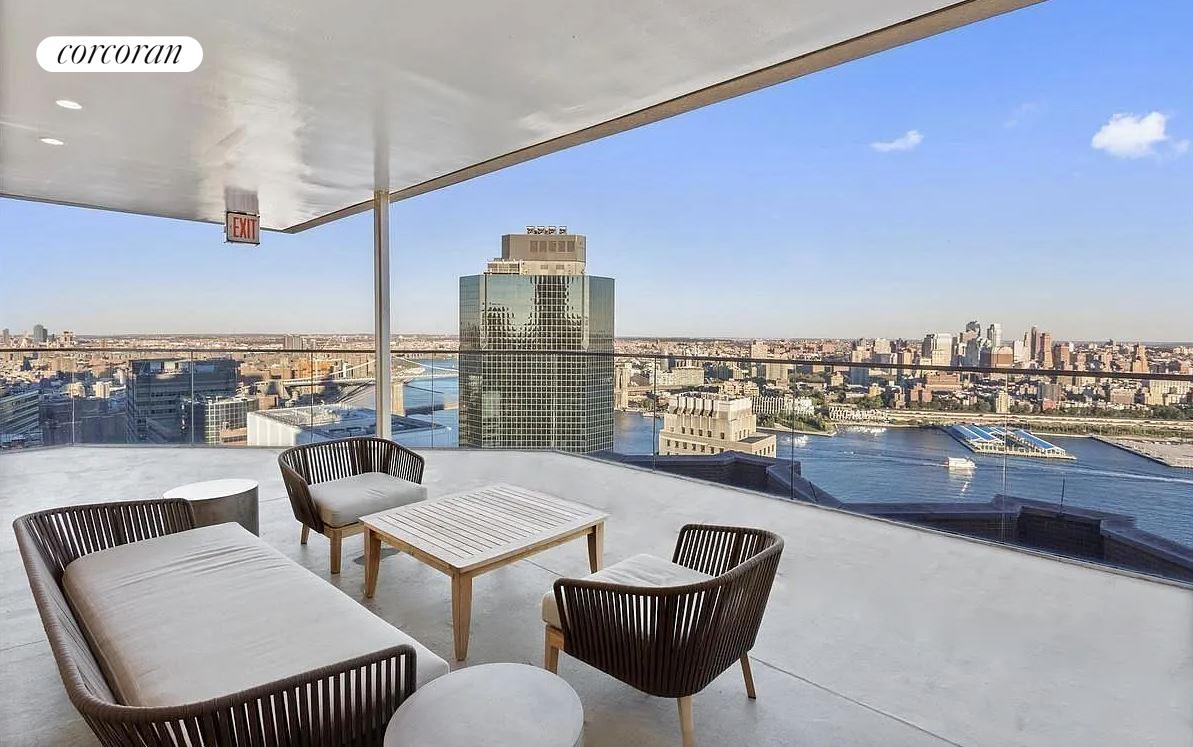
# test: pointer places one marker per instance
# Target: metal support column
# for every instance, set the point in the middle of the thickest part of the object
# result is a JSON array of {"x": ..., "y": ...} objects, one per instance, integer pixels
[{"x": 384, "y": 388}]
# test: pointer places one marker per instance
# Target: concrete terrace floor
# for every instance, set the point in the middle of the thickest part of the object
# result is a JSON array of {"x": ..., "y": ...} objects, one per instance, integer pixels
[{"x": 856, "y": 648}]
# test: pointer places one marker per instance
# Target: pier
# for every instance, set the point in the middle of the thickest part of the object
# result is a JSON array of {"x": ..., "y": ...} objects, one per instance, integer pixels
[{"x": 997, "y": 439}]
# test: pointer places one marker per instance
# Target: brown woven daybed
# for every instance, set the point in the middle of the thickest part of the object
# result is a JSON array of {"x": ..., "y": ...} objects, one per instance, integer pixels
[{"x": 168, "y": 634}]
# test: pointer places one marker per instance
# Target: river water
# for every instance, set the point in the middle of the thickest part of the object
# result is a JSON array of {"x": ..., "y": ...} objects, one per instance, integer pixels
[{"x": 908, "y": 464}]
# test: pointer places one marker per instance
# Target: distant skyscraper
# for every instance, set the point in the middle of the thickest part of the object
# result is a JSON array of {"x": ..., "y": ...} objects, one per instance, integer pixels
[
  {"x": 1019, "y": 352},
  {"x": 19, "y": 415},
  {"x": 39, "y": 335},
  {"x": 973, "y": 352},
  {"x": 937, "y": 349},
  {"x": 156, "y": 389},
  {"x": 1062, "y": 355},
  {"x": 215, "y": 419},
  {"x": 994, "y": 334},
  {"x": 973, "y": 330},
  {"x": 537, "y": 297},
  {"x": 1044, "y": 350}
]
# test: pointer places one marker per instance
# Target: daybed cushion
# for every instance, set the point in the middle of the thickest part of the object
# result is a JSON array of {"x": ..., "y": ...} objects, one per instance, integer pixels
[
  {"x": 342, "y": 502},
  {"x": 212, "y": 611},
  {"x": 638, "y": 570}
]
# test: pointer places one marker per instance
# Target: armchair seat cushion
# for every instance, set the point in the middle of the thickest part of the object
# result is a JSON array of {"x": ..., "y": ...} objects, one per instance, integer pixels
[
  {"x": 343, "y": 501},
  {"x": 638, "y": 570}
]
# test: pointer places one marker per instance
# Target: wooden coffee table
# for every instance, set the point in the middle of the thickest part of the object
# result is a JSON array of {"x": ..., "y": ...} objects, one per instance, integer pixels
[{"x": 467, "y": 534}]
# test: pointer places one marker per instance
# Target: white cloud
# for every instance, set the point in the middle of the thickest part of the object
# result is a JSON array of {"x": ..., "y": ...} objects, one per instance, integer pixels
[
  {"x": 1131, "y": 136},
  {"x": 1022, "y": 114},
  {"x": 908, "y": 141}
]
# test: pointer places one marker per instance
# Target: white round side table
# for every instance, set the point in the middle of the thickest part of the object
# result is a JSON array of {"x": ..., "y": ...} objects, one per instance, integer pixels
[
  {"x": 219, "y": 501},
  {"x": 490, "y": 705}
]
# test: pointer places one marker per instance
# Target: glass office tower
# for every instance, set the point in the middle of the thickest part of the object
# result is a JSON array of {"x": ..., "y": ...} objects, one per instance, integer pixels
[{"x": 553, "y": 388}]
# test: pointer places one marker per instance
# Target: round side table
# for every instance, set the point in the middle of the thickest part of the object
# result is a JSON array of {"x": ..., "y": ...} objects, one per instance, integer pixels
[
  {"x": 219, "y": 501},
  {"x": 490, "y": 705}
]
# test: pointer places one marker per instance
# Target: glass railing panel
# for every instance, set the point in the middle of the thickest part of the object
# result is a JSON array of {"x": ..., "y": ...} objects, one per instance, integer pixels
[
  {"x": 634, "y": 410},
  {"x": 1117, "y": 493},
  {"x": 426, "y": 399},
  {"x": 271, "y": 404},
  {"x": 1091, "y": 463},
  {"x": 213, "y": 411},
  {"x": 56, "y": 404},
  {"x": 1068, "y": 464},
  {"x": 329, "y": 394}
]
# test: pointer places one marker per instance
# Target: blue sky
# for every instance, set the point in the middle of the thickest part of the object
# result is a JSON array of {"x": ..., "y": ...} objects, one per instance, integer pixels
[{"x": 770, "y": 215}]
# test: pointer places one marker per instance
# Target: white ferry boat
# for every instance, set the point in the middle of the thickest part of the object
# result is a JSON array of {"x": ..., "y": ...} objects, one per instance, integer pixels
[{"x": 961, "y": 463}]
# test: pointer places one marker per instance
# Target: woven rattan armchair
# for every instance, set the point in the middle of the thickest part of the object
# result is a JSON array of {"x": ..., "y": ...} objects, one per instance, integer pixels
[
  {"x": 310, "y": 464},
  {"x": 348, "y": 703},
  {"x": 672, "y": 641}
]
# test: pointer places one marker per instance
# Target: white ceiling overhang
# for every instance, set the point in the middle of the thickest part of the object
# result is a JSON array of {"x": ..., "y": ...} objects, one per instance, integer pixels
[{"x": 309, "y": 107}]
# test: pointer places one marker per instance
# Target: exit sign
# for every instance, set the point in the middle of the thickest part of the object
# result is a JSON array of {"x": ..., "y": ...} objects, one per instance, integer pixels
[{"x": 242, "y": 228}]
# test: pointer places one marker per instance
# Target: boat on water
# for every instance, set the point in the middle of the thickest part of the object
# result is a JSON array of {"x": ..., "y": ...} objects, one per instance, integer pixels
[{"x": 961, "y": 463}]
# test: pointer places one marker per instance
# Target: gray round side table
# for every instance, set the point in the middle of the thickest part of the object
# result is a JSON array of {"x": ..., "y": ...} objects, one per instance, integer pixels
[
  {"x": 490, "y": 705},
  {"x": 219, "y": 501}
]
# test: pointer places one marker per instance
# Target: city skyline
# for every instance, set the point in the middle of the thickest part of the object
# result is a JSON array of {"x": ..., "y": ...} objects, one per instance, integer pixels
[
  {"x": 913, "y": 338},
  {"x": 880, "y": 198}
]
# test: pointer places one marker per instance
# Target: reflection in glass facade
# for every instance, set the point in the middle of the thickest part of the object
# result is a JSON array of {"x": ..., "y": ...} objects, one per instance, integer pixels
[{"x": 536, "y": 401}]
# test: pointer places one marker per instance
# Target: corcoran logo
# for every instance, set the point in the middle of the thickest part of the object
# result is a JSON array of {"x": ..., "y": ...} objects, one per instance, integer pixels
[{"x": 119, "y": 54}]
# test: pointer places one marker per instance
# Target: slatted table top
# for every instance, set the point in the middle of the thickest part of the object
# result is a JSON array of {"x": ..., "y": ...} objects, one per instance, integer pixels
[{"x": 470, "y": 530}]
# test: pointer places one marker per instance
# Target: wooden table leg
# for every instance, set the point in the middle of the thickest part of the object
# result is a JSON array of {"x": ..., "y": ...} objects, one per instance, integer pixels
[
  {"x": 596, "y": 547},
  {"x": 372, "y": 561},
  {"x": 461, "y": 612}
]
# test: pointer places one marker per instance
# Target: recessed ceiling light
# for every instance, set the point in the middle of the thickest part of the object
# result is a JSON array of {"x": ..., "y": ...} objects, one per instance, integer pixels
[
  {"x": 68, "y": 104},
  {"x": 52, "y": 141}
]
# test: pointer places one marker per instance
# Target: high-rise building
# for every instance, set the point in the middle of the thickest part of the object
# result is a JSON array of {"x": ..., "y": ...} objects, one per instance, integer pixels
[
  {"x": 994, "y": 334},
  {"x": 549, "y": 391},
  {"x": 20, "y": 415},
  {"x": 296, "y": 342},
  {"x": 937, "y": 349},
  {"x": 1062, "y": 355},
  {"x": 40, "y": 337},
  {"x": 1019, "y": 352},
  {"x": 698, "y": 423},
  {"x": 973, "y": 330},
  {"x": 780, "y": 372},
  {"x": 156, "y": 389},
  {"x": 215, "y": 419},
  {"x": 1044, "y": 350},
  {"x": 1003, "y": 356},
  {"x": 973, "y": 352},
  {"x": 1002, "y": 402}
]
